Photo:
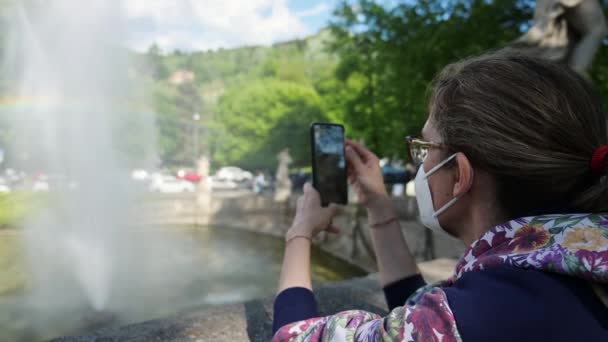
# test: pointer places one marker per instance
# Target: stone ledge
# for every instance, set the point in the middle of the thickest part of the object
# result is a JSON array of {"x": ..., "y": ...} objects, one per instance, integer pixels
[
  {"x": 264, "y": 216},
  {"x": 252, "y": 321}
]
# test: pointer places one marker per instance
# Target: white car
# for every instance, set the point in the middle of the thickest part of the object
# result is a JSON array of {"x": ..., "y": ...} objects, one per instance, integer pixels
[
  {"x": 139, "y": 175},
  {"x": 171, "y": 185},
  {"x": 222, "y": 184},
  {"x": 41, "y": 186},
  {"x": 233, "y": 173},
  {"x": 4, "y": 189}
]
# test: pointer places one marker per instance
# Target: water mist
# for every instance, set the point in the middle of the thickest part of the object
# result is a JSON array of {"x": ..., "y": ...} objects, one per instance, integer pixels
[{"x": 72, "y": 88}]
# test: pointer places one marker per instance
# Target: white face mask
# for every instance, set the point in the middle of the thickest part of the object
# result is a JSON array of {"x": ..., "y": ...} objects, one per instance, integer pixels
[{"x": 428, "y": 215}]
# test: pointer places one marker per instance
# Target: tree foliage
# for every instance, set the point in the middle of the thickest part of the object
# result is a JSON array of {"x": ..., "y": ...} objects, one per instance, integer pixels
[
  {"x": 370, "y": 71},
  {"x": 255, "y": 122},
  {"x": 254, "y": 101},
  {"x": 395, "y": 51}
]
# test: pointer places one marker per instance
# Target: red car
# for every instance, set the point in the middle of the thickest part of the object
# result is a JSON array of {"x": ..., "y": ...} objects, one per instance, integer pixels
[{"x": 192, "y": 177}]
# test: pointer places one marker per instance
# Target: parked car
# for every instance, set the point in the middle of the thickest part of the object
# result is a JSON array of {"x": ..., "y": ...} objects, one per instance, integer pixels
[
  {"x": 189, "y": 176},
  {"x": 223, "y": 184},
  {"x": 4, "y": 187},
  {"x": 395, "y": 175},
  {"x": 171, "y": 185},
  {"x": 299, "y": 178},
  {"x": 233, "y": 173},
  {"x": 41, "y": 186},
  {"x": 139, "y": 175}
]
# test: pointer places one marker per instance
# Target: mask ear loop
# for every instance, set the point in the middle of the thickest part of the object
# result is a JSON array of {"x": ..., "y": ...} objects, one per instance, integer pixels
[
  {"x": 446, "y": 206},
  {"x": 438, "y": 166},
  {"x": 453, "y": 200}
]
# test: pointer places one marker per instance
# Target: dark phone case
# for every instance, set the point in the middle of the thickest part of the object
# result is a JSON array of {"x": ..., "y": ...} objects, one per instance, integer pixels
[{"x": 324, "y": 203}]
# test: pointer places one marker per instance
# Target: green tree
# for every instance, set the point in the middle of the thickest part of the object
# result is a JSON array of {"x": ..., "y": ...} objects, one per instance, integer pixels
[
  {"x": 256, "y": 121},
  {"x": 158, "y": 68},
  {"x": 394, "y": 51},
  {"x": 174, "y": 107}
]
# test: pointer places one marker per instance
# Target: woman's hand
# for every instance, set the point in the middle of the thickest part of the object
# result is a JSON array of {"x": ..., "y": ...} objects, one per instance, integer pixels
[
  {"x": 365, "y": 175},
  {"x": 311, "y": 218}
]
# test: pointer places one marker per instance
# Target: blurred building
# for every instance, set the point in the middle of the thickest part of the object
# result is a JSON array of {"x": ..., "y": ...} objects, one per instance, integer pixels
[{"x": 182, "y": 77}]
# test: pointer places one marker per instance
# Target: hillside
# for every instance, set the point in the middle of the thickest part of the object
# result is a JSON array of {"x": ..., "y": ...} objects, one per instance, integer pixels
[
  {"x": 275, "y": 87},
  {"x": 266, "y": 82},
  {"x": 255, "y": 101}
]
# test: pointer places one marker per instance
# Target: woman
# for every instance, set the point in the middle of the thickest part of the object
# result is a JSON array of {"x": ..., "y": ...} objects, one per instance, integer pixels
[{"x": 514, "y": 164}]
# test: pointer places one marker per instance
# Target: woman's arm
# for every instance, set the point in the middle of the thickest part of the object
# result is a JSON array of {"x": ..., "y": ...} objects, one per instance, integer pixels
[
  {"x": 311, "y": 219},
  {"x": 395, "y": 261},
  {"x": 296, "y": 265},
  {"x": 295, "y": 300}
]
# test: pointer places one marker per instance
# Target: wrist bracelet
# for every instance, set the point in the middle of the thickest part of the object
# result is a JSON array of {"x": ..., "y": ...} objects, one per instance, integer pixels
[
  {"x": 383, "y": 223},
  {"x": 291, "y": 238}
]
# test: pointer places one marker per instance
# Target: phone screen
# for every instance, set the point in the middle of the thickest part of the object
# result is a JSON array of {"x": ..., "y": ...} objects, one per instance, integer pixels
[{"x": 329, "y": 163}]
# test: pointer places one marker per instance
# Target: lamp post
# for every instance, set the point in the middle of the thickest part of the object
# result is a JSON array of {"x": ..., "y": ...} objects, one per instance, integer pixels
[{"x": 196, "y": 117}]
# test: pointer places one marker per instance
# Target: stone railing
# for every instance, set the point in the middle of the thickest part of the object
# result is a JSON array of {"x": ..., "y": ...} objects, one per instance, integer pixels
[
  {"x": 253, "y": 320},
  {"x": 261, "y": 214}
]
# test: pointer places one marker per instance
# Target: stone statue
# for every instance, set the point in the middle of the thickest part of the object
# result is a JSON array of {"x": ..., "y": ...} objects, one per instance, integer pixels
[
  {"x": 203, "y": 194},
  {"x": 568, "y": 31},
  {"x": 282, "y": 182},
  {"x": 203, "y": 167}
]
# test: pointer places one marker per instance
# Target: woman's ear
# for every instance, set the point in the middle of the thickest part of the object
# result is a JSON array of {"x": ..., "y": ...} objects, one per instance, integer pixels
[{"x": 464, "y": 175}]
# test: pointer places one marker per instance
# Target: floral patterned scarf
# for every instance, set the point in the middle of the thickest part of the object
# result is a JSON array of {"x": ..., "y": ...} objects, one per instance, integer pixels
[{"x": 573, "y": 244}]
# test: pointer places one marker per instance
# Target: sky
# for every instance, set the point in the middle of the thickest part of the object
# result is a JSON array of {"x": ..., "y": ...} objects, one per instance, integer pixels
[{"x": 190, "y": 25}]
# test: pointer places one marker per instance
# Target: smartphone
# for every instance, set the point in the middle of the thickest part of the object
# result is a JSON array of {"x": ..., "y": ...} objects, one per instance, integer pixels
[{"x": 329, "y": 162}]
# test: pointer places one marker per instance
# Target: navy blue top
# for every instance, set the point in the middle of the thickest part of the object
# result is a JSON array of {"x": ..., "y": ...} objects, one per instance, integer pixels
[
  {"x": 293, "y": 305},
  {"x": 398, "y": 292},
  {"x": 499, "y": 304}
]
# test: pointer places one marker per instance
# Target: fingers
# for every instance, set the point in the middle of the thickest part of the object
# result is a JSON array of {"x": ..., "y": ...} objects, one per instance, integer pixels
[
  {"x": 333, "y": 208},
  {"x": 311, "y": 191},
  {"x": 351, "y": 176},
  {"x": 350, "y": 173},
  {"x": 300, "y": 203},
  {"x": 331, "y": 211},
  {"x": 333, "y": 229},
  {"x": 311, "y": 197},
  {"x": 361, "y": 150},
  {"x": 353, "y": 159}
]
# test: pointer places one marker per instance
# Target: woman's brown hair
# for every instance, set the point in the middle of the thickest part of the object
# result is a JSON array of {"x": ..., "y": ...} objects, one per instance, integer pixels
[{"x": 533, "y": 124}]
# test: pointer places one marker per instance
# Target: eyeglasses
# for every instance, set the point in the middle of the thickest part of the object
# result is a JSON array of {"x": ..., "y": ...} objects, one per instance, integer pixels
[{"x": 419, "y": 149}]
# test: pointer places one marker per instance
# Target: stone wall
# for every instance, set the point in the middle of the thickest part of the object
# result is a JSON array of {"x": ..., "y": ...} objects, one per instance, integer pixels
[
  {"x": 261, "y": 214},
  {"x": 252, "y": 321}
]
